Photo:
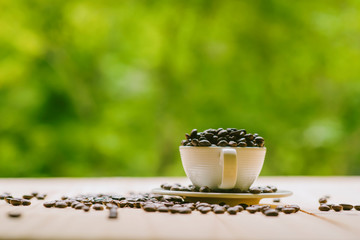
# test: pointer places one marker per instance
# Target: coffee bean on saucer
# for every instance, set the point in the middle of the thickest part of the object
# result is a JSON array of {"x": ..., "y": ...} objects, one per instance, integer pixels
[
  {"x": 336, "y": 207},
  {"x": 267, "y": 190},
  {"x": 288, "y": 210},
  {"x": 205, "y": 210},
  {"x": 219, "y": 210},
  {"x": 276, "y": 200},
  {"x": 27, "y": 196},
  {"x": 113, "y": 213},
  {"x": 357, "y": 207},
  {"x": 25, "y": 202},
  {"x": 324, "y": 207},
  {"x": 346, "y": 207},
  {"x": 252, "y": 209},
  {"x": 14, "y": 214},
  {"x": 271, "y": 212},
  {"x": 232, "y": 210},
  {"x": 322, "y": 200},
  {"x": 204, "y": 189},
  {"x": 175, "y": 188},
  {"x": 15, "y": 201},
  {"x": 49, "y": 204},
  {"x": 255, "y": 190},
  {"x": 167, "y": 186},
  {"x": 60, "y": 204},
  {"x": 273, "y": 188}
]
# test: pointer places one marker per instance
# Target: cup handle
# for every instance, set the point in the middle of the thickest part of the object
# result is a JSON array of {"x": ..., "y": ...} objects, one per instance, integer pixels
[{"x": 229, "y": 168}]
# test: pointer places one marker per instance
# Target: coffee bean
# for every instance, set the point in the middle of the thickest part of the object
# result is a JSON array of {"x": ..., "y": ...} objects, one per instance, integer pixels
[
  {"x": 25, "y": 202},
  {"x": 60, "y": 204},
  {"x": 232, "y": 144},
  {"x": 149, "y": 208},
  {"x": 251, "y": 209},
  {"x": 184, "y": 210},
  {"x": 232, "y": 210},
  {"x": 322, "y": 200},
  {"x": 34, "y": 194},
  {"x": 205, "y": 210},
  {"x": 219, "y": 210},
  {"x": 249, "y": 137},
  {"x": 15, "y": 201},
  {"x": 204, "y": 189},
  {"x": 27, "y": 196},
  {"x": 280, "y": 208},
  {"x": 64, "y": 197},
  {"x": 86, "y": 208},
  {"x": 175, "y": 188},
  {"x": 163, "y": 209},
  {"x": 174, "y": 209},
  {"x": 346, "y": 207},
  {"x": 239, "y": 208},
  {"x": 40, "y": 197},
  {"x": 14, "y": 214},
  {"x": 242, "y": 144},
  {"x": 336, "y": 207},
  {"x": 204, "y": 143},
  {"x": 267, "y": 190},
  {"x": 195, "y": 142},
  {"x": 288, "y": 210},
  {"x": 49, "y": 204},
  {"x": 296, "y": 207},
  {"x": 271, "y": 213},
  {"x": 98, "y": 207},
  {"x": 79, "y": 206},
  {"x": 324, "y": 207},
  {"x": 3, "y": 196},
  {"x": 273, "y": 188},
  {"x": 183, "y": 142},
  {"x": 276, "y": 200},
  {"x": 73, "y": 204},
  {"x": 357, "y": 207},
  {"x": 113, "y": 213},
  {"x": 193, "y": 134},
  {"x": 222, "y": 133},
  {"x": 255, "y": 190},
  {"x": 222, "y": 143},
  {"x": 167, "y": 186}
]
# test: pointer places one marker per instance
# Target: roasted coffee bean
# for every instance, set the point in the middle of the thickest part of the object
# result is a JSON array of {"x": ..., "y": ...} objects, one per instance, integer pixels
[
  {"x": 34, "y": 194},
  {"x": 273, "y": 188},
  {"x": 267, "y": 190},
  {"x": 249, "y": 137},
  {"x": 8, "y": 199},
  {"x": 336, "y": 207},
  {"x": 296, "y": 207},
  {"x": 239, "y": 208},
  {"x": 258, "y": 139},
  {"x": 123, "y": 203},
  {"x": 73, "y": 204},
  {"x": 205, "y": 189},
  {"x": 205, "y": 210},
  {"x": 41, "y": 197},
  {"x": 222, "y": 133},
  {"x": 86, "y": 208},
  {"x": 232, "y": 144},
  {"x": 193, "y": 133},
  {"x": 324, "y": 207},
  {"x": 163, "y": 209},
  {"x": 184, "y": 210},
  {"x": 219, "y": 210},
  {"x": 3, "y": 196},
  {"x": 113, "y": 213},
  {"x": 175, "y": 188},
  {"x": 271, "y": 213},
  {"x": 255, "y": 190},
  {"x": 222, "y": 143},
  {"x": 264, "y": 208},
  {"x": 357, "y": 207},
  {"x": 64, "y": 197},
  {"x": 232, "y": 210},
  {"x": 60, "y": 204},
  {"x": 14, "y": 214},
  {"x": 288, "y": 210},
  {"x": 242, "y": 144},
  {"x": 167, "y": 186},
  {"x": 204, "y": 143},
  {"x": 98, "y": 207},
  {"x": 346, "y": 207},
  {"x": 251, "y": 209},
  {"x": 195, "y": 142},
  {"x": 25, "y": 202},
  {"x": 27, "y": 196},
  {"x": 244, "y": 205},
  {"x": 280, "y": 208},
  {"x": 276, "y": 200},
  {"x": 149, "y": 208},
  {"x": 322, "y": 200},
  {"x": 79, "y": 206},
  {"x": 15, "y": 201},
  {"x": 174, "y": 209},
  {"x": 49, "y": 204}
]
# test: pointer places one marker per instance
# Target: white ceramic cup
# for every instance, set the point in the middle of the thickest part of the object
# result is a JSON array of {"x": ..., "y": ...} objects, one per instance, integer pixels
[{"x": 222, "y": 167}]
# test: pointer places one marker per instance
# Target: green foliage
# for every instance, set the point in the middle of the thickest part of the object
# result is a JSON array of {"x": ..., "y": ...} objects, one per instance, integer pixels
[{"x": 108, "y": 88}]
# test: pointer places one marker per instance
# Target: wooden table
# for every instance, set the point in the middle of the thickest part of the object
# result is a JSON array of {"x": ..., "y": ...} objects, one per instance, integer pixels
[{"x": 38, "y": 222}]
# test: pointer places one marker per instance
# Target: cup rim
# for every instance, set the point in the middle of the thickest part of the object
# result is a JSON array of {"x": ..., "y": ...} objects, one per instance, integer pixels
[{"x": 258, "y": 148}]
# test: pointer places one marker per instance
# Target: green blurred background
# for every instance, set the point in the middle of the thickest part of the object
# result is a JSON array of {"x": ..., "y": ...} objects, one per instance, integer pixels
[{"x": 108, "y": 88}]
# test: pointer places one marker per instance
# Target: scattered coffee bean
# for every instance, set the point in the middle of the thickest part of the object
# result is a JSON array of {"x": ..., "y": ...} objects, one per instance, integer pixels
[
  {"x": 346, "y": 207},
  {"x": 288, "y": 210},
  {"x": 14, "y": 214},
  {"x": 40, "y": 197},
  {"x": 79, "y": 206},
  {"x": 49, "y": 204},
  {"x": 86, "y": 208},
  {"x": 357, "y": 207},
  {"x": 279, "y": 208},
  {"x": 205, "y": 210},
  {"x": 184, "y": 210},
  {"x": 271, "y": 212},
  {"x": 163, "y": 209},
  {"x": 276, "y": 200},
  {"x": 60, "y": 204},
  {"x": 98, "y": 207},
  {"x": 8, "y": 199},
  {"x": 336, "y": 207},
  {"x": 219, "y": 210},
  {"x": 15, "y": 201},
  {"x": 149, "y": 208},
  {"x": 113, "y": 213},
  {"x": 296, "y": 207},
  {"x": 232, "y": 210},
  {"x": 25, "y": 202},
  {"x": 34, "y": 194},
  {"x": 322, "y": 200},
  {"x": 27, "y": 196},
  {"x": 324, "y": 207},
  {"x": 252, "y": 209}
]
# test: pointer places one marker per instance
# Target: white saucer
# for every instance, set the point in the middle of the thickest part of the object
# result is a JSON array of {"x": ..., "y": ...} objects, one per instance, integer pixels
[{"x": 229, "y": 198}]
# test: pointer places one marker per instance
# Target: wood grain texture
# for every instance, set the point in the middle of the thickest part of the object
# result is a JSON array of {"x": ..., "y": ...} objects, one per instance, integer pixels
[{"x": 38, "y": 222}]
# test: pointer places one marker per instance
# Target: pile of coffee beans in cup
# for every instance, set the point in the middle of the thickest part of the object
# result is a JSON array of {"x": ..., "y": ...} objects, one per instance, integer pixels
[
  {"x": 192, "y": 188},
  {"x": 230, "y": 137},
  {"x": 325, "y": 206}
]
